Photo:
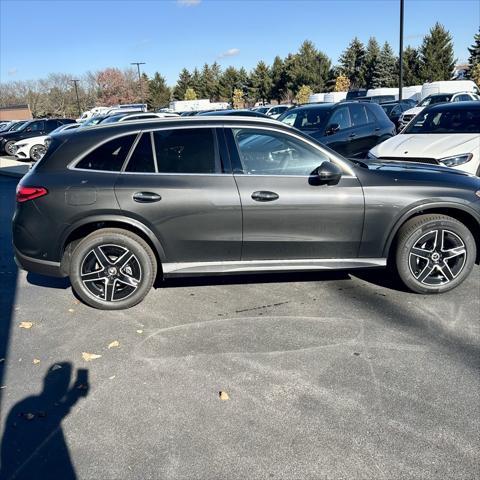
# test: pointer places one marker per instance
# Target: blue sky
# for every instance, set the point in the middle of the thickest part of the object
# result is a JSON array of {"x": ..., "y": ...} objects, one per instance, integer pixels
[{"x": 38, "y": 37}]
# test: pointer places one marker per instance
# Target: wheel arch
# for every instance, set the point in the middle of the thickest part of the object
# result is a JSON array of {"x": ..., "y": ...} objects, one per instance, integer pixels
[
  {"x": 84, "y": 227},
  {"x": 457, "y": 211}
]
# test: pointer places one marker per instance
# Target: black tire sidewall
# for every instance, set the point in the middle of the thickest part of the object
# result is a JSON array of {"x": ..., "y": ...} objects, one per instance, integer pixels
[
  {"x": 141, "y": 251},
  {"x": 11, "y": 142},
  {"x": 403, "y": 251},
  {"x": 31, "y": 149}
]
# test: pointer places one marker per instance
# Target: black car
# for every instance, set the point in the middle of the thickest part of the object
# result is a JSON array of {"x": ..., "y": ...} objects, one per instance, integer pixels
[
  {"x": 113, "y": 206},
  {"x": 240, "y": 113},
  {"x": 33, "y": 128},
  {"x": 349, "y": 128},
  {"x": 395, "y": 109},
  {"x": 12, "y": 126}
]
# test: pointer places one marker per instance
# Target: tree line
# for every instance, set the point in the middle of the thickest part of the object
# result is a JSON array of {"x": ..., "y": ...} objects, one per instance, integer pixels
[{"x": 288, "y": 79}]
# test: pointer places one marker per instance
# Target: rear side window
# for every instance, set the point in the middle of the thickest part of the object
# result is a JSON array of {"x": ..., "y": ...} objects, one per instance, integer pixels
[
  {"x": 186, "y": 150},
  {"x": 358, "y": 115},
  {"x": 109, "y": 156},
  {"x": 370, "y": 115},
  {"x": 141, "y": 159}
]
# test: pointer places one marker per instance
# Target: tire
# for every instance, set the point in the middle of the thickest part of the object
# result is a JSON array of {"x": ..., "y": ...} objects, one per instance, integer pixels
[
  {"x": 37, "y": 152},
  {"x": 8, "y": 148},
  {"x": 435, "y": 253},
  {"x": 112, "y": 269}
]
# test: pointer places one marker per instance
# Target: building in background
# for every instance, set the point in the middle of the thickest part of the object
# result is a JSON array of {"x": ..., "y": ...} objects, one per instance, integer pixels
[{"x": 15, "y": 112}]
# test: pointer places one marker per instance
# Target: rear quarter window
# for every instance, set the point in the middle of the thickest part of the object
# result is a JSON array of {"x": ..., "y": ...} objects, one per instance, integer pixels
[{"x": 109, "y": 156}]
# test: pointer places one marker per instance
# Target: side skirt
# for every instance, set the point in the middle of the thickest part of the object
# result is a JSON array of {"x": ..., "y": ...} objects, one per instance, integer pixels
[{"x": 248, "y": 266}]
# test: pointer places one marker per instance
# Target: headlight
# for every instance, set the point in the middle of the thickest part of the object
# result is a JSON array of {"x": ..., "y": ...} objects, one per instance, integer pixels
[
  {"x": 371, "y": 156},
  {"x": 456, "y": 160}
]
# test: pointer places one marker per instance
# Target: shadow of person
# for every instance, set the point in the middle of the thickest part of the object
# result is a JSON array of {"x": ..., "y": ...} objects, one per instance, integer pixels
[{"x": 33, "y": 444}]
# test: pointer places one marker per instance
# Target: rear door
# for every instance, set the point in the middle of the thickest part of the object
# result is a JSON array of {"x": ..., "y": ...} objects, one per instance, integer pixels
[
  {"x": 364, "y": 130},
  {"x": 178, "y": 184}
]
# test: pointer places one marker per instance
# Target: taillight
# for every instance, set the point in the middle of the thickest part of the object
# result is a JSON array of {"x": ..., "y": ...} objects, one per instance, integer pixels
[{"x": 29, "y": 193}]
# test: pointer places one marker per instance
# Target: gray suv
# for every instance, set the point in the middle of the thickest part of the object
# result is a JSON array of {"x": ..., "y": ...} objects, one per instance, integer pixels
[{"x": 113, "y": 206}]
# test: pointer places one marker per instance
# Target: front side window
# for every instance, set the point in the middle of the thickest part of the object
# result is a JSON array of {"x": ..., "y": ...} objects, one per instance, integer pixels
[
  {"x": 141, "y": 159},
  {"x": 275, "y": 153},
  {"x": 341, "y": 117},
  {"x": 109, "y": 156},
  {"x": 186, "y": 150},
  {"x": 36, "y": 126}
]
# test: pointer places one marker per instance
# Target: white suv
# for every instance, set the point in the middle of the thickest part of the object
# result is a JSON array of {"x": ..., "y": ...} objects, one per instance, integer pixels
[{"x": 406, "y": 116}]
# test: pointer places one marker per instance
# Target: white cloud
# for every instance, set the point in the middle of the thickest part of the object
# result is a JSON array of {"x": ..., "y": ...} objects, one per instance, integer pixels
[
  {"x": 12, "y": 72},
  {"x": 188, "y": 3},
  {"x": 231, "y": 52}
]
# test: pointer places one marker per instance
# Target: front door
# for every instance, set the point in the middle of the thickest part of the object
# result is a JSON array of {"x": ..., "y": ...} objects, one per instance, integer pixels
[{"x": 286, "y": 214}]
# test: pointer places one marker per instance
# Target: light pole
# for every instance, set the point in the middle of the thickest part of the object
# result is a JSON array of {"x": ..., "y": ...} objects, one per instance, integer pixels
[
  {"x": 400, "y": 70},
  {"x": 75, "y": 82},
  {"x": 139, "y": 77}
]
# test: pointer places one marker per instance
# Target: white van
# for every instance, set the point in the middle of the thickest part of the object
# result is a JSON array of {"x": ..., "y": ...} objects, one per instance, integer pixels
[
  {"x": 413, "y": 92},
  {"x": 334, "y": 97},
  {"x": 383, "y": 92},
  {"x": 316, "y": 98},
  {"x": 450, "y": 86}
]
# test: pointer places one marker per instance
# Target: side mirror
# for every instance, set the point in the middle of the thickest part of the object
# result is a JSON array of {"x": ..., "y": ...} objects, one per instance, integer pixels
[
  {"x": 327, "y": 173},
  {"x": 332, "y": 129}
]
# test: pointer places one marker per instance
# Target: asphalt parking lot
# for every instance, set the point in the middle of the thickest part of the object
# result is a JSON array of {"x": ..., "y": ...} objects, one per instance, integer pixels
[{"x": 328, "y": 376}]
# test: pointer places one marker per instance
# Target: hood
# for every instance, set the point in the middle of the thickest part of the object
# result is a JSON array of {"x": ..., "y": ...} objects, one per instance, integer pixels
[
  {"x": 429, "y": 145},
  {"x": 412, "y": 167},
  {"x": 413, "y": 111}
]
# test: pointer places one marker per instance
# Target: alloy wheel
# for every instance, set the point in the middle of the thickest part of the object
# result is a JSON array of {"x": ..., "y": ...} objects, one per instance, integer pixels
[
  {"x": 37, "y": 152},
  {"x": 437, "y": 257},
  {"x": 111, "y": 272}
]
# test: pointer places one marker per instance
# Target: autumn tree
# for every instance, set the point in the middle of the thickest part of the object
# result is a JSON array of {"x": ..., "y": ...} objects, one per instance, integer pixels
[
  {"x": 190, "y": 94},
  {"x": 115, "y": 86},
  {"x": 303, "y": 94},
  {"x": 237, "y": 99},
  {"x": 342, "y": 84}
]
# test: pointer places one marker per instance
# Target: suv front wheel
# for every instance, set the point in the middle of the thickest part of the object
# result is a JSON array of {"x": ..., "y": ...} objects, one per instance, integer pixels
[
  {"x": 435, "y": 253},
  {"x": 112, "y": 269}
]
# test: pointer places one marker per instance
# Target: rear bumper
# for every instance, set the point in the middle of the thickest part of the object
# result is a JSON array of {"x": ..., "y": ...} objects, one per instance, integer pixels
[{"x": 35, "y": 265}]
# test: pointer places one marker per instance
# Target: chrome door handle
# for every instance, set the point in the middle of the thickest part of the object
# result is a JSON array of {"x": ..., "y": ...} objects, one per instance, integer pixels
[
  {"x": 264, "y": 196},
  {"x": 146, "y": 197}
]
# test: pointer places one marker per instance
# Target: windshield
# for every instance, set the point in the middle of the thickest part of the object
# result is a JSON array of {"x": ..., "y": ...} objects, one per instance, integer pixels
[
  {"x": 92, "y": 121},
  {"x": 306, "y": 118},
  {"x": 434, "y": 99},
  {"x": 446, "y": 121},
  {"x": 16, "y": 126},
  {"x": 262, "y": 109}
]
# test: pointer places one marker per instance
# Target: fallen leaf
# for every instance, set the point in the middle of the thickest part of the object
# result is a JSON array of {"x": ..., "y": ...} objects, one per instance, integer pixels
[
  {"x": 139, "y": 331},
  {"x": 90, "y": 356},
  {"x": 26, "y": 324},
  {"x": 223, "y": 395},
  {"x": 71, "y": 310},
  {"x": 76, "y": 302},
  {"x": 36, "y": 361},
  {"x": 55, "y": 367},
  {"x": 114, "y": 344},
  {"x": 112, "y": 377}
]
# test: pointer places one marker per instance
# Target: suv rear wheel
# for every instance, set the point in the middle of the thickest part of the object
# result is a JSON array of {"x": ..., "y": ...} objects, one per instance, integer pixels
[
  {"x": 435, "y": 253},
  {"x": 112, "y": 269}
]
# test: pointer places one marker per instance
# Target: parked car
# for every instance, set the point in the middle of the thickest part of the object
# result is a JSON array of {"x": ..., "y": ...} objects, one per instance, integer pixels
[
  {"x": 406, "y": 116},
  {"x": 446, "y": 134},
  {"x": 13, "y": 125},
  {"x": 198, "y": 197},
  {"x": 240, "y": 112},
  {"x": 273, "y": 111},
  {"x": 395, "y": 109},
  {"x": 127, "y": 117},
  {"x": 34, "y": 148},
  {"x": 33, "y": 128},
  {"x": 349, "y": 128}
]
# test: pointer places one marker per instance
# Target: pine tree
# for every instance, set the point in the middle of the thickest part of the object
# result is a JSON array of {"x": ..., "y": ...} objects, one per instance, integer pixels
[
  {"x": 436, "y": 55},
  {"x": 279, "y": 79},
  {"x": 411, "y": 67},
  {"x": 207, "y": 83},
  {"x": 372, "y": 55},
  {"x": 384, "y": 72},
  {"x": 261, "y": 82},
  {"x": 474, "y": 51},
  {"x": 158, "y": 92},
  {"x": 183, "y": 82},
  {"x": 352, "y": 62},
  {"x": 196, "y": 83}
]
